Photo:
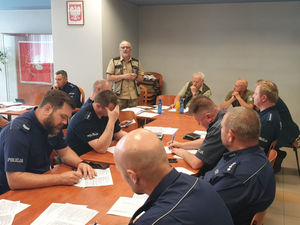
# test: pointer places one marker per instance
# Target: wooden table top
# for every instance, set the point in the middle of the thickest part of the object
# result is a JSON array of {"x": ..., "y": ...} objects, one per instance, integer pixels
[
  {"x": 184, "y": 123},
  {"x": 98, "y": 198}
]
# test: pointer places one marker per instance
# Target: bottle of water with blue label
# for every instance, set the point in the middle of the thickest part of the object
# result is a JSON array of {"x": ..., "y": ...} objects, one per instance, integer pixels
[
  {"x": 181, "y": 106},
  {"x": 159, "y": 107}
]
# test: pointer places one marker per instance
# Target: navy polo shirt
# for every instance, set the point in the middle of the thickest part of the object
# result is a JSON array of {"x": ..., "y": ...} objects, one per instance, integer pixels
[
  {"x": 73, "y": 91},
  {"x": 245, "y": 180},
  {"x": 290, "y": 130},
  {"x": 25, "y": 146},
  {"x": 270, "y": 127},
  {"x": 183, "y": 199},
  {"x": 86, "y": 126},
  {"x": 212, "y": 148},
  {"x": 87, "y": 102}
]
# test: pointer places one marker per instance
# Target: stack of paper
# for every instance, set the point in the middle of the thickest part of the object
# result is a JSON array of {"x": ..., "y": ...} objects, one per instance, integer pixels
[
  {"x": 126, "y": 206},
  {"x": 65, "y": 214},
  {"x": 8, "y": 210},
  {"x": 103, "y": 178}
]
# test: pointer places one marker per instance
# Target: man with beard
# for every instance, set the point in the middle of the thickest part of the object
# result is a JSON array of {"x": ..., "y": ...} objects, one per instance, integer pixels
[
  {"x": 124, "y": 72},
  {"x": 27, "y": 142}
]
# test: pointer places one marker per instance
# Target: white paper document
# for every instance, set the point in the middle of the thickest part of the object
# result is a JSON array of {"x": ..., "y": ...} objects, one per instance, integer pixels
[
  {"x": 201, "y": 133},
  {"x": 162, "y": 130},
  {"x": 65, "y": 214},
  {"x": 184, "y": 170},
  {"x": 162, "y": 107},
  {"x": 136, "y": 110},
  {"x": 8, "y": 210},
  {"x": 126, "y": 206},
  {"x": 7, "y": 104},
  {"x": 111, "y": 149},
  {"x": 168, "y": 151},
  {"x": 174, "y": 110},
  {"x": 103, "y": 178},
  {"x": 192, "y": 151},
  {"x": 17, "y": 108},
  {"x": 148, "y": 115}
]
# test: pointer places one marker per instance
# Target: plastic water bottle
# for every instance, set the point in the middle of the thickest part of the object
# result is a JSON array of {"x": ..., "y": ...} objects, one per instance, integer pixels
[
  {"x": 177, "y": 107},
  {"x": 181, "y": 106},
  {"x": 159, "y": 107}
]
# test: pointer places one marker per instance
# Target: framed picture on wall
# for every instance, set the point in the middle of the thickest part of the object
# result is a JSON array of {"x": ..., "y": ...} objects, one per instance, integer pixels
[
  {"x": 75, "y": 13},
  {"x": 35, "y": 62}
]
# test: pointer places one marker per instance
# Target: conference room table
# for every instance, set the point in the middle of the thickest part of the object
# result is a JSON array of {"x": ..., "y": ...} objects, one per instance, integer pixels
[
  {"x": 9, "y": 113},
  {"x": 99, "y": 198},
  {"x": 185, "y": 124}
]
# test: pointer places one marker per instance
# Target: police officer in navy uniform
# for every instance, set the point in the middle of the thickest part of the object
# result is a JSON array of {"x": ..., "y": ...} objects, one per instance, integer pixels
[
  {"x": 244, "y": 176},
  {"x": 288, "y": 133},
  {"x": 174, "y": 198},
  {"x": 265, "y": 98},
  {"x": 125, "y": 72},
  {"x": 210, "y": 149},
  {"x": 98, "y": 86},
  {"x": 27, "y": 142},
  {"x": 61, "y": 83},
  {"x": 95, "y": 125}
]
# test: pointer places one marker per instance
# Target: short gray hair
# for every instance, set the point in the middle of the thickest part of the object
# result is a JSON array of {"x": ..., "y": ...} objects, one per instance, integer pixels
[{"x": 244, "y": 122}]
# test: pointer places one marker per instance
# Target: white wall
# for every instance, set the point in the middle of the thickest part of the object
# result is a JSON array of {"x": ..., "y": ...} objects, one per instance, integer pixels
[
  {"x": 225, "y": 41},
  {"x": 20, "y": 21},
  {"x": 78, "y": 49},
  {"x": 120, "y": 22},
  {"x": 25, "y": 21}
]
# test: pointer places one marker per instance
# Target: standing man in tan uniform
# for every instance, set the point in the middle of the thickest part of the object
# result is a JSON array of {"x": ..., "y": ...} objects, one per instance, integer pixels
[{"x": 124, "y": 72}]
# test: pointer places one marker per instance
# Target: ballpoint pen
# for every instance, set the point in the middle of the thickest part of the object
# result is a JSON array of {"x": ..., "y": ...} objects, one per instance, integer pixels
[{"x": 173, "y": 138}]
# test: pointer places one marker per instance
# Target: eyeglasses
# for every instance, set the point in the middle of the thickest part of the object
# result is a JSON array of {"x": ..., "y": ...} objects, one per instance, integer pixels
[{"x": 125, "y": 47}]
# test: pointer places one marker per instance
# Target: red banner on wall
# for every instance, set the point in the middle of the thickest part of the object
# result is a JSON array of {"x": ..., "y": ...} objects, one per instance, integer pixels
[{"x": 36, "y": 64}]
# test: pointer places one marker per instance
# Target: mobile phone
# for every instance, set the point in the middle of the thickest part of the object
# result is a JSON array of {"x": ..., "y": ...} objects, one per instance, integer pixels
[{"x": 172, "y": 160}]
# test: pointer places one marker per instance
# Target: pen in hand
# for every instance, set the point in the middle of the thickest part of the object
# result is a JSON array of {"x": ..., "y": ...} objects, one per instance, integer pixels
[{"x": 172, "y": 139}]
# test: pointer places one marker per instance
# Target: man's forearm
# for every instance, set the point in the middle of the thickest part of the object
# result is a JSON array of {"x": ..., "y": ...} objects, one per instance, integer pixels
[
  {"x": 103, "y": 142},
  {"x": 245, "y": 104},
  {"x": 196, "y": 144},
  {"x": 115, "y": 78},
  {"x": 25, "y": 180},
  {"x": 192, "y": 160},
  {"x": 226, "y": 104}
]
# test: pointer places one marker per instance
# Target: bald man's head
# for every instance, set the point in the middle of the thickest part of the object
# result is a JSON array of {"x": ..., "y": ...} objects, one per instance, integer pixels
[{"x": 139, "y": 155}]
